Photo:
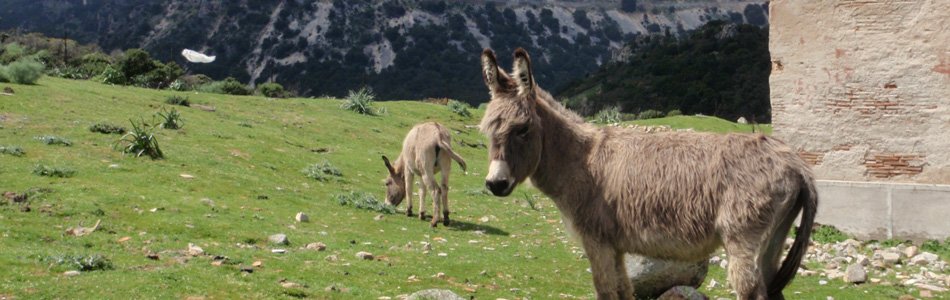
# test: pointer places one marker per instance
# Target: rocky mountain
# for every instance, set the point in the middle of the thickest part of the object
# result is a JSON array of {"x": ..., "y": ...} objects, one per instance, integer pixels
[{"x": 401, "y": 49}]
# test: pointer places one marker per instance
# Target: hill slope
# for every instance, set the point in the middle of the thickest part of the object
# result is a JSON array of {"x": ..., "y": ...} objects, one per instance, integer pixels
[
  {"x": 403, "y": 49},
  {"x": 246, "y": 159}
]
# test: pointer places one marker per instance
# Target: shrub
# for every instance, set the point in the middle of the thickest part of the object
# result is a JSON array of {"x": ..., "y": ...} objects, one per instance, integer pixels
[
  {"x": 178, "y": 100},
  {"x": 360, "y": 101},
  {"x": 608, "y": 115},
  {"x": 673, "y": 113},
  {"x": 827, "y": 234},
  {"x": 273, "y": 90},
  {"x": 364, "y": 200},
  {"x": 135, "y": 62},
  {"x": 12, "y": 150},
  {"x": 233, "y": 87},
  {"x": 459, "y": 108},
  {"x": 245, "y": 124},
  {"x": 649, "y": 114},
  {"x": 11, "y": 53},
  {"x": 61, "y": 171},
  {"x": 111, "y": 75},
  {"x": 89, "y": 262},
  {"x": 53, "y": 140},
  {"x": 106, "y": 128},
  {"x": 140, "y": 141},
  {"x": 192, "y": 82},
  {"x": 94, "y": 64},
  {"x": 24, "y": 71},
  {"x": 322, "y": 171},
  {"x": 483, "y": 106},
  {"x": 170, "y": 119},
  {"x": 214, "y": 87}
]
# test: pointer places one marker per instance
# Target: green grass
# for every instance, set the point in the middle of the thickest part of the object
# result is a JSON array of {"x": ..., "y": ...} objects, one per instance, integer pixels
[{"x": 226, "y": 188}]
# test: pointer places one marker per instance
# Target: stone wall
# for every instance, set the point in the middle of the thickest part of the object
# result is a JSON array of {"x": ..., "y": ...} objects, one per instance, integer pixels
[{"x": 862, "y": 88}]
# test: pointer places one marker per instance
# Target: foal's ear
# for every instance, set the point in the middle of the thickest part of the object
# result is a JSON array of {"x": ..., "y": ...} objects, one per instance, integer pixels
[
  {"x": 495, "y": 79},
  {"x": 388, "y": 165},
  {"x": 524, "y": 78}
]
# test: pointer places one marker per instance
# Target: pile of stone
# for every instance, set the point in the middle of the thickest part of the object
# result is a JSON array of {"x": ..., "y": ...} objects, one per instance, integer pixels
[
  {"x": 853, "y": 262},
  {"x": 650, "y": 129}
]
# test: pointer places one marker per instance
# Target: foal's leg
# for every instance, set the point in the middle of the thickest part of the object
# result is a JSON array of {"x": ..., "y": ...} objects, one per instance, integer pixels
[
  {"x": 446, "y": 167},
  {"x": 410, "y": 182},
  {"x": 428, "y": 180},
  {"x": 604, "y": 261}
]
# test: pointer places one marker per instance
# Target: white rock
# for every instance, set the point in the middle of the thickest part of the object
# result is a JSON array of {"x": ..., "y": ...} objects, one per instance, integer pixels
[
  {"x": 931, "y": 288},
  {"x": 855, "y": 274},
  {"x": 822, "y": 282},
  {"x": 194, "y": 250},
  {"x": 925, "y": 258},
  {"x": 715, "y": 260},
  {"x": 364, "y": 255},
  {"x": 714, "y": 284},
  {"x": 280, "y": 239},
  {"x": 891, "y": 258},
  {"x": 910, "y": 251},
  {"x": 302, "y": 217},
  {"x": 71, "y": 273},
  {"x": 862, "y": 260}
]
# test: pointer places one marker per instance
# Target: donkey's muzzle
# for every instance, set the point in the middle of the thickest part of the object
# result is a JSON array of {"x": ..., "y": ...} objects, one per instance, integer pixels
[{"x": 499, "y": 188}]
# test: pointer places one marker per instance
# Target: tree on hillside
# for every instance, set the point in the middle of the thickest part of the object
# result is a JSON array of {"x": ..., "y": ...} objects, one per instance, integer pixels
[{"x": 628, "y": 5}]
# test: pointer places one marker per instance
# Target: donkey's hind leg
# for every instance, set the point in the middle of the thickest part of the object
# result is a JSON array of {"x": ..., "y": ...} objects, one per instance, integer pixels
[
  {"x": 428, "y": 180},
  {"x": 446, "y": 167},
  {"x": 770, "y": 261},
  {"x": 410, "y": 183},
  {"x": 744, "y": 274}
]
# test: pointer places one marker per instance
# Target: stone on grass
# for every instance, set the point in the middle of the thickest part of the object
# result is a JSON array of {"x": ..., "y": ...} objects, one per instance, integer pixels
[
  {"x": 682, "y": 293},
  {"x": 910, "y": 251},
  {"x": 925, "y": 258},
  {"x": 302, "y": 217},
  {"x": 332, "y": 257},
  {"x": 195, "y": 250},
  {"x": 434, "y": 294},
  {"x": 653, "y": 277},
  {"x": 364, "y": 255},
  {"x": 280, "y": 239},
  {"x": 316, "y": 246},
  {"x": 71, "y": 273},
  {"x": 855, "y": 274},
  {"x": 891, "y": 258},
  {"x": 926, "y": 294}
]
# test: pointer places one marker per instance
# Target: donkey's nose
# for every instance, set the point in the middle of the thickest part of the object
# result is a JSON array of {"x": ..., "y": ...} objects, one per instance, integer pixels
[{"x": 498, "y": 187}]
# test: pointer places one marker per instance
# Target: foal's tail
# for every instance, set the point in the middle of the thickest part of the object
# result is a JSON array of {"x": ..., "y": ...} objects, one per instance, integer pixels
[
  {"x": 448, "y": 149},
  {"x": 808, "y": 202}
]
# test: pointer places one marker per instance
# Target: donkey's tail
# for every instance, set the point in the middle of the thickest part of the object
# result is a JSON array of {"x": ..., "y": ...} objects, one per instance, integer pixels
[
  {"x": 808, "y": 202},
  {"x": 448, "y": 149}
]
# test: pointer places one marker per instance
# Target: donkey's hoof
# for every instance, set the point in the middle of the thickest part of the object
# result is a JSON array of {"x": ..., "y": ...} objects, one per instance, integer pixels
[
  {"x": 422, "y": 215},
  {"x": 445, "y": 221},
  {"x": 434, "y": 224},
  {"x": 409, "y": 212}
]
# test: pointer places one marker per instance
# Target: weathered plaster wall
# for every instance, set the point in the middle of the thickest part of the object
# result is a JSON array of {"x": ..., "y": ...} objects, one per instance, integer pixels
[{"x": 862, "y": 88}]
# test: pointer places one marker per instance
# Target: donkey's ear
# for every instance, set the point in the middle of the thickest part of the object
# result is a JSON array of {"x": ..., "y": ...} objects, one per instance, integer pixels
[
  {"x": 389, "y": 165},
  {"x": 524, "y": 78},
  {"x": 495, "y": 79}
]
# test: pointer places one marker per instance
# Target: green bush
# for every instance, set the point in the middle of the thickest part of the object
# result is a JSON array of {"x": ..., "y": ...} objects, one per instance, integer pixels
[
  {"x": 11, "y": 53},
  {"x": 828, "y": 234},
  {"x": 178, "y": 100},
  {"x": 106, "y": 128},
  {"x": 170, "y": 119},
  {"x": 94, "y": 64},
  {"x": 608, "y": 115},
  {"x": 111, "y": 75},
  {"x": 61, "y": 171},
  {"x": 12, "y": 150},
  {"x": 649, "y": 114},
  {"x": 673, "y": 113},
  {"x": 364, "y": 200},
  {"x": 233, "y": 87},
  {"x": 273, "y": 90},
  {"x": 360, "y": 101},
  {"x": 135, "y": 62},
  {"x": 459, "y": 108},
  {"x": 322, "y": 171},
  {"x": 24, "y": 71},
  {"x": 140, "y": 141},
  {"x": 214, "y": 87},
  {"x": 53, "y": 140},
  {"x": 483, "y": 106}
]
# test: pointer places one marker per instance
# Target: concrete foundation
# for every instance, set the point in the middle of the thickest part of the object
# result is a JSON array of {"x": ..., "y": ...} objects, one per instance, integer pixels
[{"x": 878, "y": 211}]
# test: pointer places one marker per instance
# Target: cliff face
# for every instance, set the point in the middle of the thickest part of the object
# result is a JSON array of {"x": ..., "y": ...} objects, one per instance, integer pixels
[
  {"x": 403, "y": 49},
  {"x": 860, "y": 87}
]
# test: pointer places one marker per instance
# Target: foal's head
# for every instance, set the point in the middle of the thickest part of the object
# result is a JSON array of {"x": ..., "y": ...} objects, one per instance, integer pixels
[
  {"x": 511, "y": 123},
  {"x": 395, "y": 184}
]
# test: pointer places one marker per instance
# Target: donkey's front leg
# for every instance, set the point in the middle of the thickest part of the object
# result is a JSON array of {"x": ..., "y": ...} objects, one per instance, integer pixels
[
  {"x": 409, "y": 185},
  {"x": 604, "y": 262}
]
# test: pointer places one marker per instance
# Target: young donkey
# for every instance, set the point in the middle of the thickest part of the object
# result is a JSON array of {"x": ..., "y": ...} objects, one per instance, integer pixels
[
  {"x": 666, "y": 195},
  {"x": 427, "y": 150}
]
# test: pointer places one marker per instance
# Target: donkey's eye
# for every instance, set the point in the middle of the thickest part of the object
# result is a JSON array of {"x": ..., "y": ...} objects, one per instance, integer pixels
[{"x": 522, "y": 132}]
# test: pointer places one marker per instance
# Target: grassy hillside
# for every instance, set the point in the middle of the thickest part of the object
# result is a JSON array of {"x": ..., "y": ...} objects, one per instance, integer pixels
[
  {"x": 707, "y": 123},
  {"x": 247, "y": 158}
]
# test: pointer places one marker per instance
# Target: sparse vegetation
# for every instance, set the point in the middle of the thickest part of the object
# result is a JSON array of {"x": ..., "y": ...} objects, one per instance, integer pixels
[
  {"x": 12, "y": 150},
  {"x": 245, "y": 124},
  {"x": 273, "y": 90},
  {"x": 140, "y": 141},
  {"x": 106, "y": 128},
  {"x": 828, "y": 234},
  {"x": 53, "y": 140},
  {"x": 364, "y": 200},
  {"x": 323, "y": 171},
  {"x": 60, "y": 171},
  {"x": 170, "y": 119},
  {"x": 459, "y": 108},
  {"x": 178, "y": 100},
  {"x": 359, "y": 101},
  {"x": 608, "y": 116},
  {"x": 649, "y": 114},
  {"x": 673, "y": 113},
  {"x": 89, "y": 262}
]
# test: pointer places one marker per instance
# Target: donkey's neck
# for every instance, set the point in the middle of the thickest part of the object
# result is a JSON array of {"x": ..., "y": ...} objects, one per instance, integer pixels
[{"x": 566, "y": 147}]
